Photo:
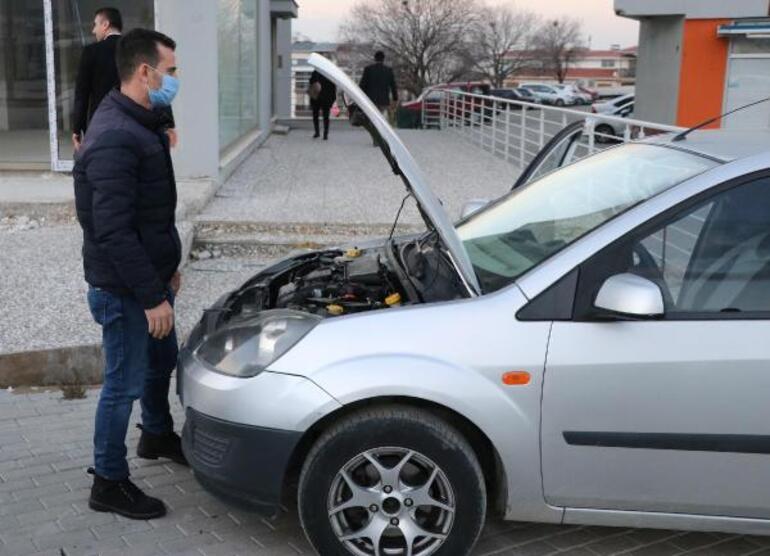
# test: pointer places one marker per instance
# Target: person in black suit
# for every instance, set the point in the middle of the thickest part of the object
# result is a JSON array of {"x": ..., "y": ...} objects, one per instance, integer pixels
[
  {"x": 378, "y": 82},
  {"x": 323, "y": 93},
  {"x": 97, "y": 73}
]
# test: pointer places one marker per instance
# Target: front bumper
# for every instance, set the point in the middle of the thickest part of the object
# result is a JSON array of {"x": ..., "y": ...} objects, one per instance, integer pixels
[
  {"x": 240, "y": 433},
  {"x": 245, "y": 465}
]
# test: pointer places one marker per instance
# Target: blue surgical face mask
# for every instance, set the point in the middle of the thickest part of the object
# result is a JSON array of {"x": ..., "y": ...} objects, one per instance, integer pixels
[{"x": 164, "y": 96}]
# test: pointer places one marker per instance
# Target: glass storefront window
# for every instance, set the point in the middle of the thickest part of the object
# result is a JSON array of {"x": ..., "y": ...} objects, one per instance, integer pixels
[
  {"x": 23, "y": 99},
  {"x": 238, "y": 95},
  {"x": 72, "y": 24}
]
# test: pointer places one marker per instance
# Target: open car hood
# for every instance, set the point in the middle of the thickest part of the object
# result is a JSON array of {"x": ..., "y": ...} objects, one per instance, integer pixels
[{"x": 404, "y": 165}]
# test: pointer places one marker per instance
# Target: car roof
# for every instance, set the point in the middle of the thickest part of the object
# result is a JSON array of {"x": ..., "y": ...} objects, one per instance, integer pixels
[{"x": 723, "y": 144}]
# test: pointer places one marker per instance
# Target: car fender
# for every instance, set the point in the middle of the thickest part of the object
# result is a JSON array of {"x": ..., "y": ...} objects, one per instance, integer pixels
[{"x": 512, "y": 429}]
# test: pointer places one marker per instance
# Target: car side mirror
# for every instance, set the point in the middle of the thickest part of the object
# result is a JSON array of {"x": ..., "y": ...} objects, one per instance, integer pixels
[
  {"x": 474, "y": 205},
  {"x": 630, "y": 295}
]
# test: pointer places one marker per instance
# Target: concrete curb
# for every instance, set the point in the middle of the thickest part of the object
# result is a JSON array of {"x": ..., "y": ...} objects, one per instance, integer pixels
[{"x": 56, "y": 366}]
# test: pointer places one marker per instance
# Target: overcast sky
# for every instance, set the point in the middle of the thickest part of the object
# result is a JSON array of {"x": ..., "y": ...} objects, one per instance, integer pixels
[{"x": 319, "y": 19}]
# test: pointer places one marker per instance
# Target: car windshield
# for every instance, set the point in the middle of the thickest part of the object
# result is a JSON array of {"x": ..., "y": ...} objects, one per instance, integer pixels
[{"x": 532, "y": 223}]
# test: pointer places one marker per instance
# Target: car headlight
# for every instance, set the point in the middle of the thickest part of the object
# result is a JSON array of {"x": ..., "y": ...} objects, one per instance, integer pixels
[{"x": 246, "y": 348}]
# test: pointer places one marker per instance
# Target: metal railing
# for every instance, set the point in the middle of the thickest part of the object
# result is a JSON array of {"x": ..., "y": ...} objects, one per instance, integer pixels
[{"x": 516, "y": 131}]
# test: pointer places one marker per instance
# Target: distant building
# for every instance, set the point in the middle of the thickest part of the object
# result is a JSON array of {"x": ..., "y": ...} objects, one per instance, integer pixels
[
  {"x": 592, "y": 68},
  {"x": 700, "y": 58},
  {"x": 301, "y": 70}
]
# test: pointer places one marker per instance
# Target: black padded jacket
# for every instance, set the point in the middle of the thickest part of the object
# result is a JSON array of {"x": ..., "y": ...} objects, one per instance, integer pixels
[{"x": 125, "y": 198}]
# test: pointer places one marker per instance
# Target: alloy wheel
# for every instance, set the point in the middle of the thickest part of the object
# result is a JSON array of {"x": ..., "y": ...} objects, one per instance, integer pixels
[{"x": 391, "y": 501}]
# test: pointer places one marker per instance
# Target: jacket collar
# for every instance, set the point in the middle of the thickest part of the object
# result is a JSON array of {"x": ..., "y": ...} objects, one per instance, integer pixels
[{"x": 151, "y": 119}]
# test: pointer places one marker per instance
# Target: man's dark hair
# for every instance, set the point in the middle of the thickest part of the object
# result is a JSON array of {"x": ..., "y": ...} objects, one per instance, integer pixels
[
  {"x": 137, "y": 47},
  {"x": 112, "y": 15},
  {"x": 379, "y": 56}
]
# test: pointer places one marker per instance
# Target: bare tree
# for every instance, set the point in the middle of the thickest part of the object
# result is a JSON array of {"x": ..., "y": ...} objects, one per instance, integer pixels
[
  {"x": 423, "y": 39},
  {"x": 500, "y": 42},
  {"x": 558, "y": 43}
]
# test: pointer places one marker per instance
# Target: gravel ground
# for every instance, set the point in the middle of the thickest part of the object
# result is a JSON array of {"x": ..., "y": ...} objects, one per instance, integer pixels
[{"x": 43, "y": 294}]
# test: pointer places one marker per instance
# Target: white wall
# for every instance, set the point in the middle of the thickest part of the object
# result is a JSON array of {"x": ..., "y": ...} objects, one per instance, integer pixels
[{"x": 282, "y": 78}]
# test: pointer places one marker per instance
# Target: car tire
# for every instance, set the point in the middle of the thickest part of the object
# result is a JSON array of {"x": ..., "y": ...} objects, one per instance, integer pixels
[
  {"x": 605, "y": 130},
  {"x": 559, "y": 102},
  {"x": 437, "y": 465}
]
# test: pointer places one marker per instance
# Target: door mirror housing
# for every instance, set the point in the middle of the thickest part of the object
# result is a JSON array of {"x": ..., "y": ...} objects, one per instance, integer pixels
[
  {"x": 474, "y": 205},
  {"x": 630, "y": 295}
]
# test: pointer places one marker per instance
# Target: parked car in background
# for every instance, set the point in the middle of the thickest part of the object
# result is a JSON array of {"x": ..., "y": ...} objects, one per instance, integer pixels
[
  {"x": 610, "y": 131},
  {"x": 527, "y": 95},
  {"x": 520, "y": 95},
  {"x": 590, "y": 92},
  {"x": 590, "y": 348},
  {"x": 580, "y": 96},
  {"x": 548, "y": 94},
  {"x": 430, "y": 98},
  {"x": 612, "y": 105}
]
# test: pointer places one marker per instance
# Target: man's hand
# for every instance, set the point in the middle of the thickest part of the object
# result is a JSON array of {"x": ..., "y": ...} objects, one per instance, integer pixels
[
  {"x": 176, "y": 282},
  {"x": 76, "y": 141},
  {"x": 172, "y": 137},
  {"x": 160, "y": 320}
]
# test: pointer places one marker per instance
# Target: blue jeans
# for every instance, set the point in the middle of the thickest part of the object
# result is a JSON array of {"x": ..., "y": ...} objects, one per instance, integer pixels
[{"x": 137, "y": 366}]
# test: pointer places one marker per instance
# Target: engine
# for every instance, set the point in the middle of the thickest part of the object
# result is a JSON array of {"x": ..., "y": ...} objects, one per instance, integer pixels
[
  {"x": 340, "y": 283},
  {"x": 327, "y": 283}
]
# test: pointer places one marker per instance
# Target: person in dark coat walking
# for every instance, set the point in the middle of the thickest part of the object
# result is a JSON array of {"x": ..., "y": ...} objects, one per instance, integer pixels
[
  {"x": 125, "y": 198},
  {"x": 322, "y": 93},
  {"x": 378, "y": 82},
  {"x": 97, "y": 73}
]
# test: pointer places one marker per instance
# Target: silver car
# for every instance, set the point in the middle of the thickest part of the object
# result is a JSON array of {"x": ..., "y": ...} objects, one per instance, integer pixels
[{"x": 591, "y": 348}]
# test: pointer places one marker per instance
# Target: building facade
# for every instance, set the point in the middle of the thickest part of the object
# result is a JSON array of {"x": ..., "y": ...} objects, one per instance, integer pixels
[
  {"x": 701, "y": 58},
  {"x": 596, "y": 69},
  {"x": 234, "y": 60}
]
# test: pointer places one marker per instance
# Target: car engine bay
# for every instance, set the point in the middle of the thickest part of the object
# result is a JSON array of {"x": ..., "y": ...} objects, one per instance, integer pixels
[{"x": 337, "y": 282}]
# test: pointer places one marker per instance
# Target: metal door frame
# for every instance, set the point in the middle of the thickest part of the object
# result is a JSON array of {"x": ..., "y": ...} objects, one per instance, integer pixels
[{"x": 57, "y": 165}]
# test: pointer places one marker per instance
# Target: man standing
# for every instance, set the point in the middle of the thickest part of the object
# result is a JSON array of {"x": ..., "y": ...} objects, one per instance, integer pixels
[
  {"x": 378, "y": 82},
  {"x": 125, "y": 196},
  {"x": 97, "y": 73}
]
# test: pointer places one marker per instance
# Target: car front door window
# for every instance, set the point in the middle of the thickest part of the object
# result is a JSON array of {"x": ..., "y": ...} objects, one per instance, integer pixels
[{"x": 712, "y": 259}]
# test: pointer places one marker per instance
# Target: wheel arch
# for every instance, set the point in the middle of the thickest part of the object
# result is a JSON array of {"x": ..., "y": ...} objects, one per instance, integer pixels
[{"x": 488, "y": 456}]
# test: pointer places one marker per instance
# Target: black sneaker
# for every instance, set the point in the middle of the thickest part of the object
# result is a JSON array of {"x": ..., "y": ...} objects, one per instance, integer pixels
[
  {"x": 123, "y": 498},
  {"x": 154, "y": 446}
]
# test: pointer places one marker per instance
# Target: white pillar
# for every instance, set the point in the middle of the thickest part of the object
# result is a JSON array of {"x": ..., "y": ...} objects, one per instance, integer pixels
[{"x": 193, "y": 25}]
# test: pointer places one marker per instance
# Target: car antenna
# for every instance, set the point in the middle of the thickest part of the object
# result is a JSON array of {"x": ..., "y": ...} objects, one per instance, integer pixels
[{"x": 682, "y": 136}]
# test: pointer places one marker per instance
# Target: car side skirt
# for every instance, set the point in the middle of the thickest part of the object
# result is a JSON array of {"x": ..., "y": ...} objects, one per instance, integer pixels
[{"x": 660, "y": 520}]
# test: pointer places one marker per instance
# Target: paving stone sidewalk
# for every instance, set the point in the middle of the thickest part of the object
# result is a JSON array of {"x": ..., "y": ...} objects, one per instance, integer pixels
[{"x": 45, "y": 447}]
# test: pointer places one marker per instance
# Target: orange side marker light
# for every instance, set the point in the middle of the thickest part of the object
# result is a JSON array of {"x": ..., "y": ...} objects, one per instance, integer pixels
[{"x": 516, "y": 378}]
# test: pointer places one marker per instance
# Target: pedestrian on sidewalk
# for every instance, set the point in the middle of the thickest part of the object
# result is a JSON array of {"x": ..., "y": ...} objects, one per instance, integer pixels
[
  {"x": 125, "y": 197},
  {"x": 379, "y": 82},
  {"x": 322, "y": 93},
  {"x": 98, "y": 75}
]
